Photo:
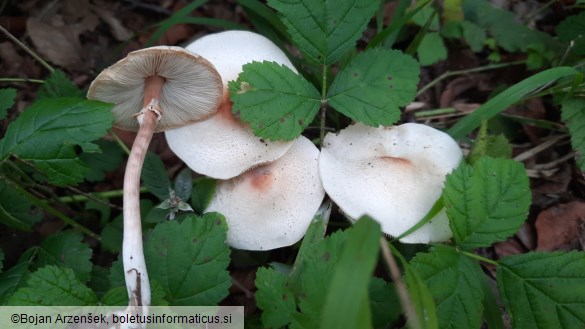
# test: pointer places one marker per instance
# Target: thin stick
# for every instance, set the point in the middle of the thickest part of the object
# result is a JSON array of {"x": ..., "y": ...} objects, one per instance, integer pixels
[
  {"x": 104, "y": 195},
  {"x": 120, "y": 142},
  {"x": 21, "y": 80},
  {"x": 27, "y": 49},
  {"x": 400, "y": 286}
]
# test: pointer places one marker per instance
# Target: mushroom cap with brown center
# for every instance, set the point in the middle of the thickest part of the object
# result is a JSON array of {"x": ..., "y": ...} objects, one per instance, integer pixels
[
  {"x": 393, "y": 174},
  {"x": 223, "y": 146},
  {"x": 192, "y": 90},
  {"x": 271, "y": 206}
]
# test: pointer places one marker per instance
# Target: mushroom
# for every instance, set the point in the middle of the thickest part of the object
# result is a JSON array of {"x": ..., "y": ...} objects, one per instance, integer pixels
[
  {"x": 209, "y": 147},
  {"x": 153, "y": 89},
  {"x": 393, "y": 174},
  {"x": 272, "y": 205}
]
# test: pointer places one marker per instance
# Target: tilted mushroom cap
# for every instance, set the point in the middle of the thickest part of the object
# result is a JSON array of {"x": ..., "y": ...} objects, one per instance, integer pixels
[
  {"x": 222, "y": 146},
  {"x": 394, "y": 174},
  {"x": 271, "y": 206},
  {"x": 192, "y": 90}
]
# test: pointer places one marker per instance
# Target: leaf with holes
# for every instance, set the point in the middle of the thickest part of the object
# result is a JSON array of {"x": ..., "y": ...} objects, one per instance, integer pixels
[
  {"x": 543, "y": 290},
  {"x": 373, "y": 87},
  {"x": 278, "y": 103}
]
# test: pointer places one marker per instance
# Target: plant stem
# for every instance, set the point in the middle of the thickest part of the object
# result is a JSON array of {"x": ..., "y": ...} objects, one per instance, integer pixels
[
  {"x": 27, "y": 49},
  {"x": 323, "y": 105},
  {"x": 46, "y": 207},
  {"x": 103, "y": 195},
  {"x": 461, "y": 72},
  {"x": 21, "y": 80},
  {"x": 480, "y": 258},
  {"x": 400, "y": 286},
  {"x": 120, "y": 142}
]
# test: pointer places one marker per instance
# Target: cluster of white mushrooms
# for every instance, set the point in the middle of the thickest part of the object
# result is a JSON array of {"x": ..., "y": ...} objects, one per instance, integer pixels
[{"x": 268, "y": 191}]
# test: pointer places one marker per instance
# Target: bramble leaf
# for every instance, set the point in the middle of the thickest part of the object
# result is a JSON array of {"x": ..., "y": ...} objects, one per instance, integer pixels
[
  {"x": 17, "y": 211},
  {"x": 53, "y": 286},
  {"x": 201, "y": 193},
  {"x": 7, "y": 96},
  {"x": 573, "y": 114},
  {"x": 48, "y": 131},
  {"x": 573, "y": 29},
  {"x": 431, "y": 49},
  {"x": 66, "y": 249},
  {"x": 453, "y": 280},
  {"x": 155, "y": 177},
  {"x": 274, "y": 297},
  {"x": 543, "y": 290},
  {"x": 487, "y": 202},
  {"x": 373, "y": 87},
  {"x": 190, "y": 259},
  {"x": 325, "y": 30},
  {"x": 12, "y": 279},
  {"x": 102, "y": 162},
  {"x": 278, "y": 103},
  {"x": 58, "y": 85}
]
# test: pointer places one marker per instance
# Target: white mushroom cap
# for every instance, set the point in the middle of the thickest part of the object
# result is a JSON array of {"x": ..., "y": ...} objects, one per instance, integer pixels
[
  {"x": 192, "y": 90},
  {"x": 271, "y": 206},
  {"x": 222, "y": 146},
  {"x": 393, "y": 174}
]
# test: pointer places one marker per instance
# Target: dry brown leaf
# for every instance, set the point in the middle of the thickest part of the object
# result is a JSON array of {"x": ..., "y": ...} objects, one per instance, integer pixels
[
  {"x": 558, "y": 227},
  {"x": 119, "y": 31}
]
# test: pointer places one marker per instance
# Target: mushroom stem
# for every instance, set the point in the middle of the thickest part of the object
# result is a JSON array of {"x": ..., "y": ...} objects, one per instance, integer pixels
[{"x": 135, "y": 273}]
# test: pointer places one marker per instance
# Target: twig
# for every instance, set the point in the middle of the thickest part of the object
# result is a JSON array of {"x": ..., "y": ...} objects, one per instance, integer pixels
[
  {"x": 27, "y": 49},
  {"x": 21, "y": 80}
]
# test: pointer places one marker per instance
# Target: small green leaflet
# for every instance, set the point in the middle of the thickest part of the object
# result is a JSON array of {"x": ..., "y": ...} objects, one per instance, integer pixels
[
  {"x": 66, "y": 249},
  {"x": 7, "y": 96},
  {"x": 431, "y": 49},
  {"x": 373, "y": 87},
  {"x": 12, "y": 279},
  {"x": 573, "y": 29},
  {"x": 544, "y": 290},
  {"x": 324, "y": 29},
  {"x": 573, "y": 114},
  {"x": 190, "y": 259},
  {"x": 58, "y": 85},
  {"x": 274, "y": 297},
  {"x": 384, "y": 303},
  {"x": 487, "y": 202},
  {"x": 474, "y": 35},
  {"x": 453, "y": 280},
  {"x": 278, "y": 103},
  {"x": 99, "y": 164},
  {"x": 53, "y": 286},
  {"x": 47, "y": 132},
  {"x": 16, "y": 211},
  {"x": 201, "y": 193},
  {"x": 118, "y": 296},
  {"x": 155, "y": 177}
]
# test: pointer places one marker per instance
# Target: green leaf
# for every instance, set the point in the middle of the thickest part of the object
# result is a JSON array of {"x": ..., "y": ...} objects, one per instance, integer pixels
[
  {"x": 454, "y": 282},
  {"x": 421, "y": 298},
  {"x": 325, "y": 30},
  {"x": 507, "y": 98},
  {"x": 66, "y": 249},
  {"x": 112, "y": 235},
  {"x": 48, "y": 131},
  {"x": 100, "y": 163},
  {"x": 384, "y": 303},
  {"x": 488, "y": 145},
  {"x": 351, "y": 278},
  {"x": 573, "y": 29},
  {"x": 12, "y": 279},
  {"x": 53, "y": 286},
  {"x": 7, "y": 96},
  {"x": 474, "y": 35},
  {"x": 184, "y": 184},
  {"x": 99, "y": 282},
  {"x": 487, "y": 202},
  {"x": 155, "y": 177},
  {"x": 201, "y": 193},
  {"x": 573, "y": 114},
  {"x": 492, "y": 313},
  {"x": 373, "y": 87},
  {"x": 58, "y": 85},
  {"x": 274, "y": 298},
  {"x": 17, "y": 211},
  {"x": 543, "y": 290},
  {"x": 424, "y": 15},
  {"x": 277, "y": 102},
  {"x": 431, "y": 49},
  {"x": 118, "y": 296},
  {"x": 190, "y": 259}
]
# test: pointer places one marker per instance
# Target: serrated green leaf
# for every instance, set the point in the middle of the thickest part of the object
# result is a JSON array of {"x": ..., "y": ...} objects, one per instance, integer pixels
[
  {"x": 492, "y": 313},
  {"x": 384, "y": 303},
  {"x": 99, "y": 282},
  {"x": 573, "y": 114},
  {"x": 421, "y": 298},
  {"x": 16, "y": 211},
  {"x": 344, "y": 306},
  {"x": 325, "y": 30},
  {"x": 488, "y": 145},
  {"x": 543, "y": 290},
  {"x": 66, "y": 249},
  {"x": 202, "y": 192},
  {"x": 506, "y": 98},
  {"x": 487, "y": 202},
  {"x": 274, "y": 298},
  {"x": 155, "y": 177},
  {"x": 48, "y": 131},
  {"x": 12, "y": 279},
  {"x": 184, "y": 184},
  {"x": 190, "y": 259},
  {"x": 278, "y": 103},
  {"x": 373, "y": 87},
  {"x": 100, "y": 163},
  {"x": 453, "y": 280},
  {"x": 7, "y": 96},
  {"x": 58, "y": 85},
  {"x": 431, "y": 49},
  {"x": 112, "y": 235},
  {"x": 118, "y": 296},
  {"x": 474, "y": 35},
  {"x": 573, "y": 29},
  {"x": 53, "y": 286}
]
